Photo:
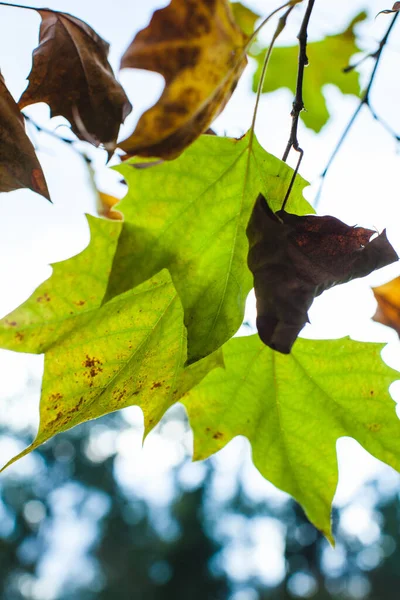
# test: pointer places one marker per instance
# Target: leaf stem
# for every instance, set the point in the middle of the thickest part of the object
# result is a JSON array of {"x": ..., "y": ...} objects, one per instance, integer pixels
[
  {"x": 286, "y": 198},
  {"x": 279, "y": 28},
  {"x": 364, "y": 101},
  {"x": 291, "y": 3}
]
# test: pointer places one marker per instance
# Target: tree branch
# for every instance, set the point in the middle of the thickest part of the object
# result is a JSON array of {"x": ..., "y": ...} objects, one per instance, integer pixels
[
  {"x": 384, "y": 124},
  {"x": 298, "y": 102},
  {"x": 364, "y": 101}
]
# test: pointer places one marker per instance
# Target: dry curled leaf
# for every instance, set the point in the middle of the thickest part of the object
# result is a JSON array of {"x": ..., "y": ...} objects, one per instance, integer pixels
[
  {"x": 19, "y": 165},
  {"x": 198, "y": 48},
  {"x": 72, "y": 75},
  {"x": 294, "y": 259},
  {"x": 388, "y": 310},
  {"x": 394, "y": 9}
]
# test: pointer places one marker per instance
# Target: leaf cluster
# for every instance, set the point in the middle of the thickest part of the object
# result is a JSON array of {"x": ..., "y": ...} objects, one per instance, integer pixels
[{"x": 146, "y": 314}]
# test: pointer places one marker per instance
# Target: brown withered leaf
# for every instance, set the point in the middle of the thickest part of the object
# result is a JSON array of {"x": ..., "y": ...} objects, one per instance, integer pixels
[
  {"x": 72, "y": 75},
  {"x": 19, "y": 165},
  {"x": 394, "y": 9},
  {"x": 198, "y": 48},
  {"x": 388, "y": 310},
  {"x": 294, "y": 259}
]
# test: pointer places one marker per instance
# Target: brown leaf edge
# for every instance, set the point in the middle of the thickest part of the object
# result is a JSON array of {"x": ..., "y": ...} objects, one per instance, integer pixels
[{"x": 19, "y": 165}]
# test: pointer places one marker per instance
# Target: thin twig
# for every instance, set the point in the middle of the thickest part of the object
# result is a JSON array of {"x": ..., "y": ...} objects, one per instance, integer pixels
[
  {"x": 58, "y": 137},
  {"x": 20, "y": 6},
  {"x": 384, "y": 124},
  {"x": 355, "y": 65},
  {"x": 298, "y": 102},
  {"x": 364, "y": 101}
]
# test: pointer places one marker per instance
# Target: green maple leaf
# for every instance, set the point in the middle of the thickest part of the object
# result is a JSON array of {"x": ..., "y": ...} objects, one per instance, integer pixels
[
  {"x": 99, "y": 359},
  {"x": 190, "y": 216},
  {"x": 327, "y": 59},
  {"x": 244, "y": 17},
  {"x": 294, "y": 408}
]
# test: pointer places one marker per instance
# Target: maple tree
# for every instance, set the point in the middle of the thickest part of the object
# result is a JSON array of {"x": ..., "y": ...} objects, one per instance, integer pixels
[{"x": 145, "y": 315}]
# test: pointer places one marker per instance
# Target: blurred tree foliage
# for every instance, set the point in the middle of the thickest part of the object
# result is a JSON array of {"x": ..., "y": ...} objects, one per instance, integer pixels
[{"x": 130, "y": 557}]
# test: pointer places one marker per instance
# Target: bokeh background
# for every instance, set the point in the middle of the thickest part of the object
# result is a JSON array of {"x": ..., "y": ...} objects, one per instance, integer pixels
[{"x": 94, "y": 514}]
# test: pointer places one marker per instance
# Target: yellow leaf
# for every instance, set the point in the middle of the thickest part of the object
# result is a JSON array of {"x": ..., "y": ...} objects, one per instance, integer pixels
[
  {"x": 200, "y": 51},
  {"x": 388, "y": 310},
  {"x": 105, "y": 204}
]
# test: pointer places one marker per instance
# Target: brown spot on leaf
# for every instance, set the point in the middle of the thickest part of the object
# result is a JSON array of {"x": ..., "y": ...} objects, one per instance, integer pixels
[
  {"x": 94, "y": 365},
  {"x": 374, "y": 427},
  {"x": 19, "y": 336},
  {"x": 156, "y": 384},
  {"x": 91, "y": 362},
  {"x": 44, "y": 298},
  {"x": 119, "y": 394},
  {"x": 80, "y": 302},
  {"x": 55, "y": 396},
  {"x": 190, "y": 95},
  {"x": 176, "y": 108},
  {"x": 78, "y": 406},
  {"x": 11, "y": 323},
  {"x": 56, "y": 419},
  {"x": 218, "y": 435}
]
